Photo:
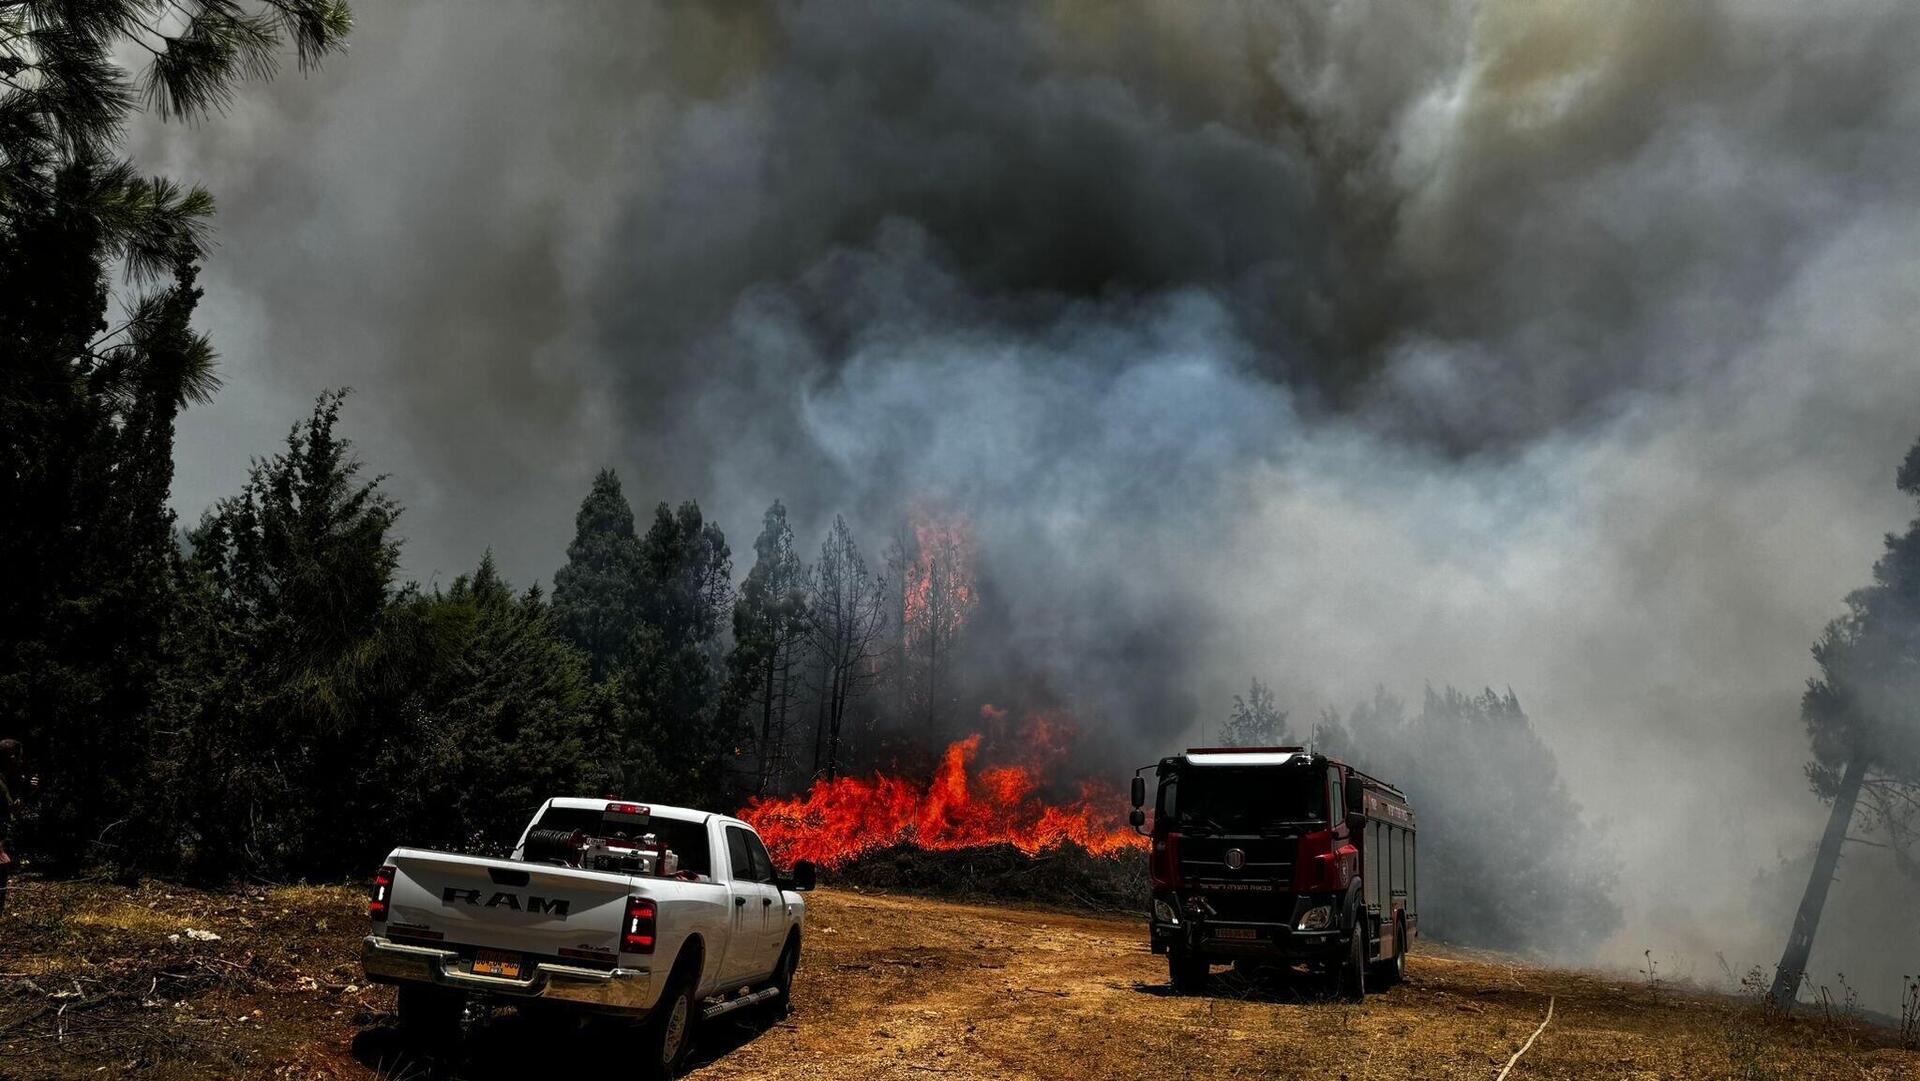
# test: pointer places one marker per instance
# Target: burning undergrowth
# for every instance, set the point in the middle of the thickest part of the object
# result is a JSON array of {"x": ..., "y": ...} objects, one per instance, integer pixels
[
  {"x": 1067, "y": 875},
  {"x": 977, "y": 827}
]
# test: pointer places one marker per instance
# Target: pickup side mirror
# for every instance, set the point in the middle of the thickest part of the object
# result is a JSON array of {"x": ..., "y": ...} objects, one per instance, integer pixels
[
  {"x": 1139, "y": 792},
  {"x": 804, "y": 875}
]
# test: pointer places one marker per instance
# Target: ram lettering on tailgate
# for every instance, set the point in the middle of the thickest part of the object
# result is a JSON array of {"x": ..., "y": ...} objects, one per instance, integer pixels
[{"x": 555, "y": 907}]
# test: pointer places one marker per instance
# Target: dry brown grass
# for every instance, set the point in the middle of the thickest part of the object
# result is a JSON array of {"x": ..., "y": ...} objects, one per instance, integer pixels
[{"x": 891, "y": 987}]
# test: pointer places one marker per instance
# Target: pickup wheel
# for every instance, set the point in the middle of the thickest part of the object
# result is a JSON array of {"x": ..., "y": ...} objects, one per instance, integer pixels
[
  {"x": 778, "y": 1007},
  {"x": 1188, "y": 974},
  {"x": 667, "y": 1034},
  {"x": 430, "y": 1016}
]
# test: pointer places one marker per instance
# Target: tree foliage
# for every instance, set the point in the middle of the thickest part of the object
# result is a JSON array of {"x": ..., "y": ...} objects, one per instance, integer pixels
[
  {"x": 511, "y": 716},
  {"x": 681, "y": 745},
  {"x": 597, "y": 594},
  {"x": 1254, "y": 720},
  {"x": 316, "y": 696},
  {"x": 769, "y": 626},
  {"x": 1865, "y": 702},
  {"x": 1471, "y": 763},
  {"x": 88, "y": 404}
]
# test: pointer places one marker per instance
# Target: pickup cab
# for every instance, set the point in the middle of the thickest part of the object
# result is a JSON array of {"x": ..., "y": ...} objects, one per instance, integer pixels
[{"x": 664, "y": 915}]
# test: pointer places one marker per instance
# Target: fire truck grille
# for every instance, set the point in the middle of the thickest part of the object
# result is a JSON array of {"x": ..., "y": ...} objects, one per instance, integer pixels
[
  {"x": 1265, "y": 864},
  {"x": 1243, "y": 905}
]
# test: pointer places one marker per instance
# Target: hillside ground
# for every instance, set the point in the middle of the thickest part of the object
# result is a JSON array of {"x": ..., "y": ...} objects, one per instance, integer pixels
[{"x": 101, "y": 981}]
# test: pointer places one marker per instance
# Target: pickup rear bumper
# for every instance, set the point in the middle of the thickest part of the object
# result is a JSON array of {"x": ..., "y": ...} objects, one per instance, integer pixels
[{"x": 619, "y": 990}]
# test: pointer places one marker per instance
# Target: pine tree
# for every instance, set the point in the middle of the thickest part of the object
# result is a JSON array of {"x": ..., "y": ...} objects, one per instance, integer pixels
[
  {"x": 1864, "y": 727},
  {"x": 510, "y": 719},
  {"x": 769, "y": 625},
  {"x": 680, "y": 744},
  {"x": 87, "y": 410},
  {"x": 296, "y": 739},
  {"x": 596, "y": 596},
  {"x": 1477, "y": 758}
]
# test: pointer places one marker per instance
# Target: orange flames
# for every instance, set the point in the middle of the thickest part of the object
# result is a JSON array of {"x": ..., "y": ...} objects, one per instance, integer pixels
[
  {"x": 961, "y": 807},
  {"x": 937, "y": 591}
]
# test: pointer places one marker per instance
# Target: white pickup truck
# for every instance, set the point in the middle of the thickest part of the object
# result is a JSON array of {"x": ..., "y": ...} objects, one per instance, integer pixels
[{"x": 662, "y": 914}]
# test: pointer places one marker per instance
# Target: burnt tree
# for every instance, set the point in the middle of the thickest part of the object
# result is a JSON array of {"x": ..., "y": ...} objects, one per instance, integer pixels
[{"x": 847, "y": 617}]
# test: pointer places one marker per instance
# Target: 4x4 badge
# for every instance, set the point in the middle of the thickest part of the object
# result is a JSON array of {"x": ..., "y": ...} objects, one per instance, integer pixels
[{"x": 1236, "y": 859}]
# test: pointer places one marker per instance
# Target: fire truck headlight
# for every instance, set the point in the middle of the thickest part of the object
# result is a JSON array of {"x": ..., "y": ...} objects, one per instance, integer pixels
[
  {"x": 1164, "y": 912},
  {"x": 1316, "y": 919}
]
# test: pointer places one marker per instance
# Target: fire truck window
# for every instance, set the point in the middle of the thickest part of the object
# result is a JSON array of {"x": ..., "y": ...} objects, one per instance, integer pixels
[
  {"x": 1235, "y": 799},
  {"x": 1339, "y": 801}
]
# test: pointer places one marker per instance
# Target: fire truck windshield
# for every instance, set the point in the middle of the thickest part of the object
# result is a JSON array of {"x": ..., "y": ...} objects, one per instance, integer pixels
[{"x": 1240, "y": 799}]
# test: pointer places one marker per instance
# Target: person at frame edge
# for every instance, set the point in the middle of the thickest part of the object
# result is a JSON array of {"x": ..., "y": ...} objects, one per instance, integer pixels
[{"x": 16, "y": 787}]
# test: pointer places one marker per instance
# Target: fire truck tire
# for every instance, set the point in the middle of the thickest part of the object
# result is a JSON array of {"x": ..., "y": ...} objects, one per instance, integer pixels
[
  {"x": 1350, "y": 973},
  {"x": 1187, "y": 974},
  {"x": 1394, "y": 969},
  {"x": 430, "y": 1016}
]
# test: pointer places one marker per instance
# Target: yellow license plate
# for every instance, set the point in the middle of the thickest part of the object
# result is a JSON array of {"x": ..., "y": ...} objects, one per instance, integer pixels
[
  {"x": 1238, "y": 933},
  {"x": 496, "y": 963}
]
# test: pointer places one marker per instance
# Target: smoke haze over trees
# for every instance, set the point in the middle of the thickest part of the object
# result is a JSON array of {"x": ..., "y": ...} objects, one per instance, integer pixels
[{"x": 1559, "y": 346}]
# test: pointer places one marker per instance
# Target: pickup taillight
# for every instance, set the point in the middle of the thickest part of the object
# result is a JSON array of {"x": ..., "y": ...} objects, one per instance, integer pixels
[
  {"x": 1163, "y": 867},
  {"x": 380, "y": 893},
  {"x": 636, "y": 934}
]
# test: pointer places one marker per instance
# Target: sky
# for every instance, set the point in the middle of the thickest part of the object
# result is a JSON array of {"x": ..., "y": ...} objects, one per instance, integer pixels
[{"x": 1554, "y": 346}]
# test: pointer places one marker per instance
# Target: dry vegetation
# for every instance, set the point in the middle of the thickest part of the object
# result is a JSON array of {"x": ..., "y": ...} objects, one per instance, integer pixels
[{"x": 95, "y": 985}]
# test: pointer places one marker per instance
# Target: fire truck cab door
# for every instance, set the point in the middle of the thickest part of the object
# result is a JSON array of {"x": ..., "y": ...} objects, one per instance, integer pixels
[{"x": 758, "y": 915}]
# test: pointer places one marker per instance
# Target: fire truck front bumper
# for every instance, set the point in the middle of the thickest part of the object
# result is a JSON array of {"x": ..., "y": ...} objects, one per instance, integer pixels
[{"x": 1288, "y": 939}]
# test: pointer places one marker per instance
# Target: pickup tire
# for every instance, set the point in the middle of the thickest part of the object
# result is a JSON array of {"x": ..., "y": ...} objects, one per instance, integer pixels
[
  {"x": 1187, "y": 973},
  {"x": 778, "y": 1007},
  {"x": 666, "y": 1036},
  {"x": 430, "y": 1016}
]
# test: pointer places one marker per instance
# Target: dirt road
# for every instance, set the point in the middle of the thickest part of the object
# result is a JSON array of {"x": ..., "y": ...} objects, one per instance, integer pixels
[{"x": 92, "y": 985}]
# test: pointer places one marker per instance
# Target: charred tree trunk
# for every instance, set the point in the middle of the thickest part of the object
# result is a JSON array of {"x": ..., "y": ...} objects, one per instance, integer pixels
[
  {"x": 766, "y": 732},
  {"x": 1793, "y": 961},
  {"x": 820, "y": 727}
]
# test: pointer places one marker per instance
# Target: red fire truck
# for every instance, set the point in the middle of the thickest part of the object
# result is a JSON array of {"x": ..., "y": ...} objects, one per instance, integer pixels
[{"x": 1278, "y": 855}]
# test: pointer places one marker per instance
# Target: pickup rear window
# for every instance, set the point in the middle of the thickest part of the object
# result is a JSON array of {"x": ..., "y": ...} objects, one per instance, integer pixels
[{"x": 688, "y": 840}]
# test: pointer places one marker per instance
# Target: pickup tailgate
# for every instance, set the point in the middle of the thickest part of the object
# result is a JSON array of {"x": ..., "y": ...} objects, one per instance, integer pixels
[{"x": 526, "y": 908}]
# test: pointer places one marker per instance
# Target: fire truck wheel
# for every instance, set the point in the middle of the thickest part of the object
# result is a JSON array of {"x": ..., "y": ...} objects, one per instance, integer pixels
[
  {"x": 1187, "y": 974},
  {"x": 1350, "y": 974},
  {"x": 1394, "y": 969}
]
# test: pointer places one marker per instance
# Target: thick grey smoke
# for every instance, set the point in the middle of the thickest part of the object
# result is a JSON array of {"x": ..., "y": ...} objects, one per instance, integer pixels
[{"x": 1560, "y": 346}]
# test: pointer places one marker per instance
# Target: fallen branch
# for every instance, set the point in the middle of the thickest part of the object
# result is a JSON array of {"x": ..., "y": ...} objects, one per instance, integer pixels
[{"x": 1504, "y": 1070}]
